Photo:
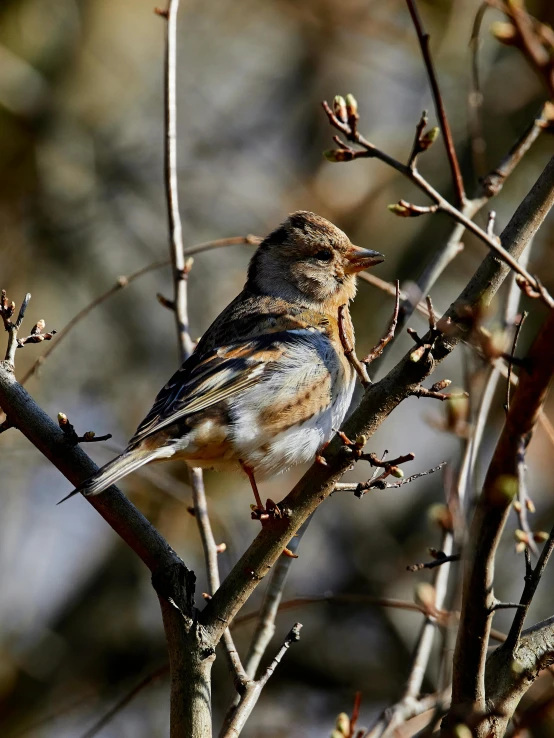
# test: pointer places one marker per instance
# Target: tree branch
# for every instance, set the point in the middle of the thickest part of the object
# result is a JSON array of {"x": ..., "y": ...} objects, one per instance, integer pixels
[
  {"x": 490, "y": 516},
  {"x": 423, "y": 39},
  {"x": 378, "y": 402}
]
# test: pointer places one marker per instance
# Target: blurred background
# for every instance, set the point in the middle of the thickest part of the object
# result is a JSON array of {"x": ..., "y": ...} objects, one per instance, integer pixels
[{"x": 82, "y": 203}]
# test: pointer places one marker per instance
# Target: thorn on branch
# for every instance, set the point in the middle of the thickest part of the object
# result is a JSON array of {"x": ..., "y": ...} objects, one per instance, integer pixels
[
  {"x": 165, "y": 302},
  {"x": 71, "y": 434}
]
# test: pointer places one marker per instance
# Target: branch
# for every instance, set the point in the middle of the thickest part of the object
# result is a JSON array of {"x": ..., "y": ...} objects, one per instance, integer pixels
[
  {"x": 488, "y": 523},
  {"x": 190, "y": 657},
  {"x": 403, "y": 709},
  {"x": 490, "y": 186},
  {"x": 253, "y": 689},
  {"x": 378, "y": 402},
  {"x": 124, "y": 701},
  {"x": 423, "y": 39},
  {"x": 266, "y": 616},
  {"x": 510, "y": 674},
  {"x": 370, "y": 151},
  {"x": 172, "y": 186},
  {"x": 125, "y": 281},
  {"x": 377, "y": 350},
  {"x": 211, "y": 551}
]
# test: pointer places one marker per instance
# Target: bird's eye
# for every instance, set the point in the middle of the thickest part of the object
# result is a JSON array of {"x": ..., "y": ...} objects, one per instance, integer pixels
[{"x": 324, "y": 255}]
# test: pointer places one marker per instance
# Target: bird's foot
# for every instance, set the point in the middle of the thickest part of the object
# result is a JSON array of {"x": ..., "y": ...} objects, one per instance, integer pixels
[
  {"x": 319, "y": 458},
  {"x": 271, "y": 511}
]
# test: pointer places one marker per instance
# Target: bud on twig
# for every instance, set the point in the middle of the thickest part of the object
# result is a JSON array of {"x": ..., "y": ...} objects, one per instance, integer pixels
[
  {"x": 338, "y": 155},
  {"x": 352, "y": 108},
  {"x": 397, "y": 472},
  {"x": 429, "y": 138},
  {"x": 339, "y": 108}
]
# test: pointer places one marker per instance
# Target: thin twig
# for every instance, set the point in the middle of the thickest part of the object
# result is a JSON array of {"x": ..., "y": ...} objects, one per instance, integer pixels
[
  {"x": 340, "y": 599},
  {"x": 523, "y": 505},
  {"x": 388, "y": 337},
  {"x": 494, "y": 181},
  {"x": 475, "y": 96},
  {"x": 7, "y": 310},
  {"x": 531, "y": 584},
  {"x": 423, "y": 39},
  {"x": 125, "y": 281},
  {"x": 370, "y": 151},
  {"x": 360, "y": 488},
  {"x": 172, "y": 186},
  {"x": 124, "y": 701},
  {"x": 511, "y": 359},
  {"x": 210, "y": 548},
  {"x": 439, "y": 561},
  {"x": 266, "y": 616},
  {"x": 254, "y": 688},
  {"x": 349, "y": 350}
]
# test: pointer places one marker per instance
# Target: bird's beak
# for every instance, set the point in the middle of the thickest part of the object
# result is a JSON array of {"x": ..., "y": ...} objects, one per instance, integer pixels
[{"x": 358, "y": 259}]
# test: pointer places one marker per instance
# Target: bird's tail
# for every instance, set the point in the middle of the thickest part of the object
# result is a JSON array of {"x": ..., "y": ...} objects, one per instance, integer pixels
[{"x": 110, "y": 473}]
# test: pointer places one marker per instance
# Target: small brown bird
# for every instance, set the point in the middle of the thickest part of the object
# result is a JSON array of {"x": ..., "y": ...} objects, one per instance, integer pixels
[{"x": 269, "y": 380}]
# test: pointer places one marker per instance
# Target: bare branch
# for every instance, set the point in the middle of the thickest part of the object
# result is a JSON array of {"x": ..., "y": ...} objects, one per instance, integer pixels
[
  {"x": 423, "y": 39},
  {"x": 125, "y": 281},
  {"x": 488, "y": 523},
  {"x": 388, "y": 337},
  {"x": 439, "y": 559},
  {"x": 349, "y": 350},
  {"x": 254, "y": 688},
  {"x": 124, "y": 701},
  {"x": 511, "y": 359},
  {"x": 378, "y": 402},
  {"x": 172, "y": 185},
  {"x": 413, "y": 175},
  {"x": 210, "y": 548}
]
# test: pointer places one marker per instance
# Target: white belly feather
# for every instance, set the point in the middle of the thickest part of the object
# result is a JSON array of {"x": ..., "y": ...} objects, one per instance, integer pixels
[{"x": 269, "y": 454}]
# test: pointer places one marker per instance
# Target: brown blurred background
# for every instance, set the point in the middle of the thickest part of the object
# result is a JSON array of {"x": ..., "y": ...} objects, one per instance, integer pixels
[{"x": 82, "y": 202}]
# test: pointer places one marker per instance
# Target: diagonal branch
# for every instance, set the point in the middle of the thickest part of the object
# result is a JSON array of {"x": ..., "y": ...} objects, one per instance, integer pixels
[
  {"x": 423, "y": 39},
  {"x": 488, "y": 523},
  {"x": 378, "y": 402}
]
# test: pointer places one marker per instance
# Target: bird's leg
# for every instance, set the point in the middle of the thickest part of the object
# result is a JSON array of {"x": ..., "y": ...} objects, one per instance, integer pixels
[{"x": 259, "y": 512}]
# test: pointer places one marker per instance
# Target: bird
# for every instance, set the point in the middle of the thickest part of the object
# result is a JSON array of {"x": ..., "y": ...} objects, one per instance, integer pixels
[{"x": 269, "y": 381}]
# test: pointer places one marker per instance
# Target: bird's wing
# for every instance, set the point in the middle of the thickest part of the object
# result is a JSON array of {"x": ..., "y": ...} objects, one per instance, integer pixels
[
  {"x": 200, "y": 384},
  {"x": 234, "y": 353}
]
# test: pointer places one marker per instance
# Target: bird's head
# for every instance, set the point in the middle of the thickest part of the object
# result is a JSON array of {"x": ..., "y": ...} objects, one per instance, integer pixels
[{"x": 309, "y": 260}]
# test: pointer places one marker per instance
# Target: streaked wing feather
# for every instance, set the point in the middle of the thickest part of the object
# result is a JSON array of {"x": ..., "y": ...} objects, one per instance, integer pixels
[{"x": 211, "y": 380}]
